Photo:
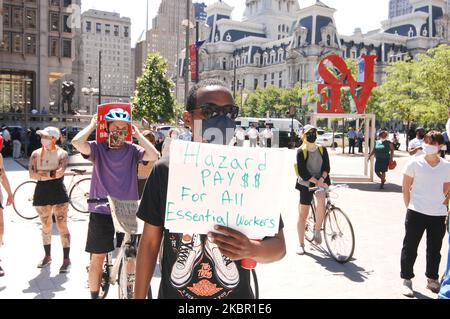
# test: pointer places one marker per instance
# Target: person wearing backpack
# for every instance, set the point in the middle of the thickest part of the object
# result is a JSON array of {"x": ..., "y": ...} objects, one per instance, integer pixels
[{"x": 313, "y": 169}]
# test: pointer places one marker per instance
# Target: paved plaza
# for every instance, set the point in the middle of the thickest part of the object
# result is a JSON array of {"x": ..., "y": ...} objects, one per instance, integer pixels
[{"x": 377, "y": 217}]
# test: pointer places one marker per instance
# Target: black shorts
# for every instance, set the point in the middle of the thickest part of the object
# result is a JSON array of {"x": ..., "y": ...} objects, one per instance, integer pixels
[
  {"x": 100, "y": 239},
  {"x": 306, "y": 196}
]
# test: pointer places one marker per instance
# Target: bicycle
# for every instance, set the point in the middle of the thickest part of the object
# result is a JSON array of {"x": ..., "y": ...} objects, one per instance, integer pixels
[
  {"x": 122, "y": 271},
  {"x": 337, "y": 228},
  {"x": 78, "y": 195}
]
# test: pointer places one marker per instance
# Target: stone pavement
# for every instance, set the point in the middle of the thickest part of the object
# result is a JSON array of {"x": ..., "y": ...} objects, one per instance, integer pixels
[{"x": 377, "y": 217}]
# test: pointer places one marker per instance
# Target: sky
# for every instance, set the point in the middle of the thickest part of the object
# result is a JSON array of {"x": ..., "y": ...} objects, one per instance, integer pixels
[{"x": 350, "y": 14}]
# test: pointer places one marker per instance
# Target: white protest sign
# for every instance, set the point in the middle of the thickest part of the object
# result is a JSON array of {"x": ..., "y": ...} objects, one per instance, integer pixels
[{"x": 240, "y": 188}]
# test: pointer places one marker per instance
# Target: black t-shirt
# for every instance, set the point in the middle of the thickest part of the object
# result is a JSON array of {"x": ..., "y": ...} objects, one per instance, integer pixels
[{"x": 192, "y": 266}]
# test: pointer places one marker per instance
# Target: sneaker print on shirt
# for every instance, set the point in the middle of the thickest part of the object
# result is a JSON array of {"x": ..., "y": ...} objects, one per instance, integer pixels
[
  {"x": 189, "y": 255},
  {"x": 226, "y": 271}
]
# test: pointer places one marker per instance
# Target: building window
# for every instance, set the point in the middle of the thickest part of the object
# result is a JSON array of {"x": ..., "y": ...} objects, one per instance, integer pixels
[
  {"x": 30, "y": 19},
  {"x": 88, "y": 26},
  {"x": 66, "y": 48},
  {"x": 328, "y": 40},
  {"x": 17, "y": 17},
  {"x": 67, "y": 3},
  {"x": 54, "y": 3},
  {"x": 6, "y": 16},
  {"x": 5, "y": 45},
  {"x": 66, "y": 27},
  {"x": 116, "y": 30},
  {"x": 273, "y": 79},
  {"x": 98, "y": 28},
  {"x": 255, "y": 84},
  {"x": 107, "y": 29},
  {"x": 30, "y": 44},
  {"x": 126, "y": 32},
  {"x": 54, "y": 21},
  {"x": 17, "y": 43},
  {"x": 265, "y": 80},
  {"x": 54, "y": 47}
]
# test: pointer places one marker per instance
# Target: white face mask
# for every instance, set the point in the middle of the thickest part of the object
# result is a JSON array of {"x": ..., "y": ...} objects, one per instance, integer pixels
[{"x": 430, "y": 149}]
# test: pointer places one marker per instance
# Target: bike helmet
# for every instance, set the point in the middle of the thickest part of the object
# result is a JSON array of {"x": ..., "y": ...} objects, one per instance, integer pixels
[{"x": 118, "y": 115}]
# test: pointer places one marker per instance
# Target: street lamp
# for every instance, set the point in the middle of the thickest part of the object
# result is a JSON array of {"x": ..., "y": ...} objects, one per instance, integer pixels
[
  {"x": 91, "y": 92},
  {"x": 27, "y": 81}
]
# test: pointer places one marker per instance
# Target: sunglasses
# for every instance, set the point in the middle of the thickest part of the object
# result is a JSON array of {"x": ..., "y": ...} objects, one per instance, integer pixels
[{"x": 211, "y": 110}]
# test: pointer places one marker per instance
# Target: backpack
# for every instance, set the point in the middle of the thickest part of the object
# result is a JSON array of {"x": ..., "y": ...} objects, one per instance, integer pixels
[{"x": 304, "y": 149}]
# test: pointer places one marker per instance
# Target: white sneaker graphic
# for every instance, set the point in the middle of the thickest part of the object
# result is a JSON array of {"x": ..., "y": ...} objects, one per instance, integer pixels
[
  {"x": 225, "y": 269},
  {"x": 189, "y": 255}
]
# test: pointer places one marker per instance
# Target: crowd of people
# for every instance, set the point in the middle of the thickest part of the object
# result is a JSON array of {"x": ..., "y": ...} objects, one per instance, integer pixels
[{"x": 130, "y": 172}]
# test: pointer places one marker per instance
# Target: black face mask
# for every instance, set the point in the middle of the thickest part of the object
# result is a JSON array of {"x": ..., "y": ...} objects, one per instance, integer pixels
[
  {"x": 218, "y": 130},
  {"x": 311, "y": 138}
]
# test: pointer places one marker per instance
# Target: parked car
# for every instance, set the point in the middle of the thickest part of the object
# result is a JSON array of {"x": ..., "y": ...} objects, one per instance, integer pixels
[{"x": 326, "y": 140}]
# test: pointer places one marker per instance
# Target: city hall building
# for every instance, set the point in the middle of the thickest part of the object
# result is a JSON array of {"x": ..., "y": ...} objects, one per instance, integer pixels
[{"x": 277, "y": 43}]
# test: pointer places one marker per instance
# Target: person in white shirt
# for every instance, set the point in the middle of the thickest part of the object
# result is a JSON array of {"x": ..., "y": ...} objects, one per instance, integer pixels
[
  {"x": 253, "y": 136},
  {"x": 415, "y": 147},
  {"x": 240, "y": 137},
  {"x": 426, "y": 183},
  {"x": 267, "y": 135}
]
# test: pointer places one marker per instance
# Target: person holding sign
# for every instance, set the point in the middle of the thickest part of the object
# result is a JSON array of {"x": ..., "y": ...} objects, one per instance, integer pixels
[
  {"x": 199, "y": 266},
  {"x": 114, "y": 174},
  {"x": 313, "y": 165}
]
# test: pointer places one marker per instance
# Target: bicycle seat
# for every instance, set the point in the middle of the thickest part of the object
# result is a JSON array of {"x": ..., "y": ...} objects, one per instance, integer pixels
[{"x": 78, "y": 171}]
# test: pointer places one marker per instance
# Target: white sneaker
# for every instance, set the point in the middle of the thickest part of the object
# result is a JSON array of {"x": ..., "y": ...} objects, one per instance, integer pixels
[
  {"x": 189, "y": 255},
  {"x": 225, "y": 270},
  {"x": 317, "y": 237},
  {"x": 300, "y": 250},
  {"x": 407, "y": 290}
]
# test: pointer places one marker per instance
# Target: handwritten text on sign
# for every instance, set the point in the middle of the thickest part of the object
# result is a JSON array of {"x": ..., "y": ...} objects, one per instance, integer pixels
[{"x": 220, "y": 185}]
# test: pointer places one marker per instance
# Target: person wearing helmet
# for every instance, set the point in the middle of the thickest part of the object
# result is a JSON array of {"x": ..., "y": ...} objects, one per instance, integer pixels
[
  {"x": 114, "y": 174},
  {"x": 47, "y": 166}
]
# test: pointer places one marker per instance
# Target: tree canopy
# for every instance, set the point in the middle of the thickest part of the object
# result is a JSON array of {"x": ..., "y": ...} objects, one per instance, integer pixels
[{"x": 153, "y": 99}]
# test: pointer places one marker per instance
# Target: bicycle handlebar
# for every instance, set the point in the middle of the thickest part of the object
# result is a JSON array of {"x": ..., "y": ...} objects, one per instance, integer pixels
[{"x": 327, "y": 190}]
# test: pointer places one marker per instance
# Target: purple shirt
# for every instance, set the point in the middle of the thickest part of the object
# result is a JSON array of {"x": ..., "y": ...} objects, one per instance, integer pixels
[{"x": 114, "y": 173}]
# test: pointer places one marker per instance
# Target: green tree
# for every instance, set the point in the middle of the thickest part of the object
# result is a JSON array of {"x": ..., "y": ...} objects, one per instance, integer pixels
[
  {"x": 432, "y": 84},
  {"x": 153, "y": 99}
]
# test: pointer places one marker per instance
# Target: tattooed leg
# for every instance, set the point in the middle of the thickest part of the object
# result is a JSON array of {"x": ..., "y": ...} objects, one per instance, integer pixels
[
  {"x": 45, "y": 214},
  {"x": 61, "y": 223},
  {"x": 2, "y": 227}
]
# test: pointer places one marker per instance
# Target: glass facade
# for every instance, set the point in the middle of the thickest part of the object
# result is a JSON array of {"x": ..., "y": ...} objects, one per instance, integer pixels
[{"x": 16, "y": 91}]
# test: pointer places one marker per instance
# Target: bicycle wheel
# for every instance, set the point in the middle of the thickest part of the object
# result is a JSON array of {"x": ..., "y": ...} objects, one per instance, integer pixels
[
  {"x": 339, "y": 235},
  {"x": 23, "y": 200},
  {"x": 79, "y": 195},
  {"x": 310, "y": 224},
  {"x": 126, "y": 284},
  {"x": 104, "y": 285}
]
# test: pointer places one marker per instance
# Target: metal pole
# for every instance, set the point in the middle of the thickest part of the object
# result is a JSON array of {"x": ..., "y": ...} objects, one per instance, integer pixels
[
  {"x": 196, "y": 51},
  {"x": 100, "y": 77},
  {"x": 26, "y": 117},
  {"x": 177, "y": 72},
  {"x": 234, "y": 80},
  {"x": 186, "y": 76}
]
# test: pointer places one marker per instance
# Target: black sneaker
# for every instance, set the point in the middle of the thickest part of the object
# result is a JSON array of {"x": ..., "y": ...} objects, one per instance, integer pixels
[
  {"x": 45, "y": 262},
  {"x": 2, "y": 272},
  {"x": 65, "y": 266}
]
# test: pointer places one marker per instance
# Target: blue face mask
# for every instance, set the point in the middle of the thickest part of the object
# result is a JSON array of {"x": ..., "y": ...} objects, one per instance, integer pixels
[{"x": 218, "y": 130}]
